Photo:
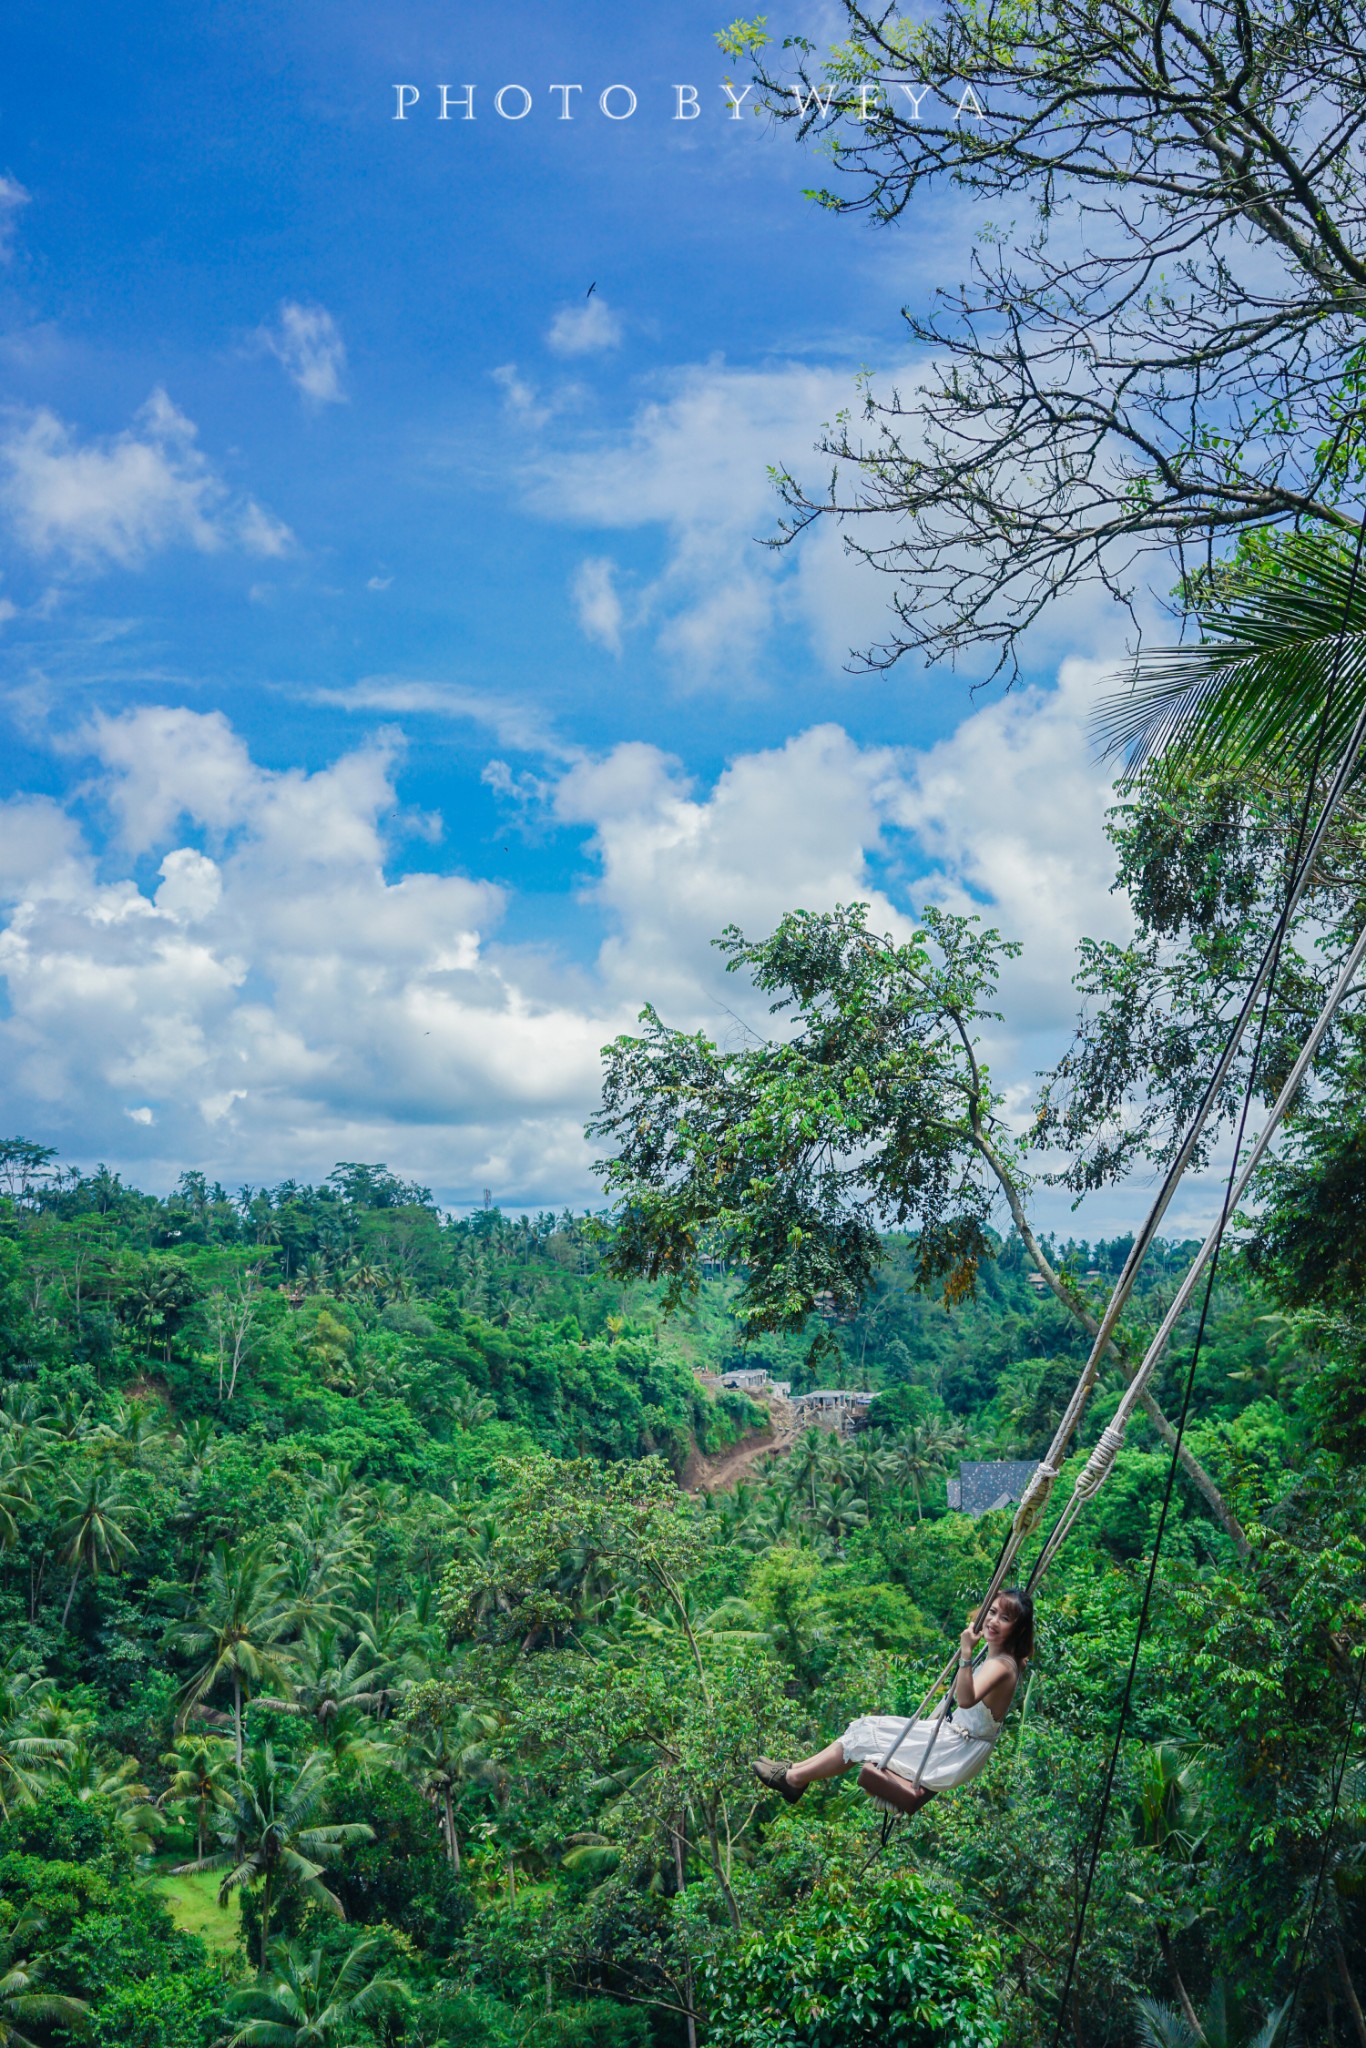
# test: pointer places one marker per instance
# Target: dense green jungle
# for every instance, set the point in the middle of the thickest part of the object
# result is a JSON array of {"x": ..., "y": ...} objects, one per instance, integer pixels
[{"x": 368, "y": 1677}]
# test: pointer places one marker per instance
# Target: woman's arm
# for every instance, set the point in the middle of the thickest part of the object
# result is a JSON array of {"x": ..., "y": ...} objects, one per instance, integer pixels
[{"x": 970, "y": 1686}]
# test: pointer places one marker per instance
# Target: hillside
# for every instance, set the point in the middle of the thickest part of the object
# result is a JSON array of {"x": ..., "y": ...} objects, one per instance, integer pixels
[{"x": 323, "y": 1512}]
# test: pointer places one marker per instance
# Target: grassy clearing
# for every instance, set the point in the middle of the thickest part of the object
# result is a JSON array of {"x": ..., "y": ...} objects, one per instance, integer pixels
[{"x": 193, "y": 1904}]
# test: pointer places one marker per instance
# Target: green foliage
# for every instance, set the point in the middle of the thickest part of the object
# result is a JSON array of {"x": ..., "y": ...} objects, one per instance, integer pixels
[
  {"x": 498, "y": 1680},
  {"x": 891, "y": 1961},
  {"x": 788, "y": 1159}
]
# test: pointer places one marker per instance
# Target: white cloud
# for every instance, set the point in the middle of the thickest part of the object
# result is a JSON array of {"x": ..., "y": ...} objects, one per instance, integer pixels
[
  {"x": 307, "y": 342},
  {"x": 512, "y": 722},
  {"x": 13, "y": 200},
  {"x": 261, "y": 533},
  {"x": 597, "y": 603},
  {"x": 520, "y": 395},
  {"x": 280, "y": 997},
  {"x": 1010, "y": 809},
  {"x": 584, "y": 330},
  {"x": 696, "y": 462},
  {"x": 120, "y": 498}
]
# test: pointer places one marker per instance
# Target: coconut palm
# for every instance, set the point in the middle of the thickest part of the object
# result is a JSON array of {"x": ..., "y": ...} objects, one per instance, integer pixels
[
  {"x": 309, "y": 2003},
  {"x": 131, "y": 1430},
  {"x": 917, "y": 1462},
  {"x": 324, "y": 1684},
  {"x": 805, "y": 1464},
  {"x": 93, "y": 1533},
  {"x": 839, "y": 1511},
  {"x": 200, "y": 1780},
  {"x": 22, "y": 2003},
  {"x": 442, "y": 1752},
  {"x": 237, "y": 1630},
  {"x": 469, "y": 1408},
  {"x": 87, "y": 1773},
  {"x": 1253, "y": 687},
  {"x": 271, "y": 1839},
  {"x": 25, "y": 1747},
  {"x": 16, "y": 1489}
]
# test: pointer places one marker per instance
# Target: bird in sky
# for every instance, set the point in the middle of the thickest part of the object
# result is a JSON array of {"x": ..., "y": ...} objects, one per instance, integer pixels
[{"x": 591, "y": 289}]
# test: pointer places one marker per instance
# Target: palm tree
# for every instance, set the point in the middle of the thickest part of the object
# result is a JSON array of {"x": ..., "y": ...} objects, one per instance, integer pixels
[
  {"x": 24, "y": 1747},
  {"x": 312, "y": 2004},
  {"x": 839, "y": 1510},
  {"x": 271, "y": 1838},
  {"x": 442, "y": 1752},
  {"x": 805, "y": 1461},
  {"x": 325, "y": 1684},
  {"x": 1253, "y": 687},
  {"x": 469, "y": 1408},
  {"x": 240, "y": 1620},
  {"x": 200, "y": 1782},
  {"x": 86, "y": 1774},
  {"x": 131, "y": 1431},
  {"x": 94, "y": 1532},
  {"x": 917, "y": 1463},
  {"x": 16, "y": 1490},
  {"x": 22, "y": 2004}
]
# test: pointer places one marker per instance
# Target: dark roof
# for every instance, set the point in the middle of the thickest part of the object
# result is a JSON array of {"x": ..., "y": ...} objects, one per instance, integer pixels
[{"x": 981, "y": 1486}]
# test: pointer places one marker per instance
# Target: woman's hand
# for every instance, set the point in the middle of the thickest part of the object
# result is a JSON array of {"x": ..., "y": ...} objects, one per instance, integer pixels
[{"x": 968, "y": 1641}]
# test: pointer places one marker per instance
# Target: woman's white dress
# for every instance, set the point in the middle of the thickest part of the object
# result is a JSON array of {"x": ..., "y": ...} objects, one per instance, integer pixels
[{"x": 961, "y": 1749}]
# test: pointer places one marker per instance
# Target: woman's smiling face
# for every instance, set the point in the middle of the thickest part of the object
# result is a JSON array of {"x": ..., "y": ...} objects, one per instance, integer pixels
[{"x": 997, "y": 1623}]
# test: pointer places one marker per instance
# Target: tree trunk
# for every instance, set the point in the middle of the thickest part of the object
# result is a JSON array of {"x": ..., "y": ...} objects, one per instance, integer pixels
[
  {"x": 452, "y": 1840},
  {"x": 265, "y": 1921},
  {"x": 1349, "y": 1990},
  {"x": 71, "y": 1594},
  {"x": 237, "y": 1717},
  {"x": 1190, "y": 1464},
  {"x": 1164, "y": 1942},
  {"x": 681, "y": 1879},
  {"x": 715, "y": 1846}
]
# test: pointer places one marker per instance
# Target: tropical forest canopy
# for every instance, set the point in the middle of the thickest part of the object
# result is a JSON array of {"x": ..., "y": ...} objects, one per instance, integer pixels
[{"x": 392, "y": 1602}]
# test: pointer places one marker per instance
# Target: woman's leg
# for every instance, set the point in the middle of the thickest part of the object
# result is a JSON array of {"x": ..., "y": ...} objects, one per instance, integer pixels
[{"x": 826, "y": 1763}]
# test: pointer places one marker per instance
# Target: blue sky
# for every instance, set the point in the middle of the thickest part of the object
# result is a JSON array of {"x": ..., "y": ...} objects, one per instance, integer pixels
[{"x": 396, "y": 694}]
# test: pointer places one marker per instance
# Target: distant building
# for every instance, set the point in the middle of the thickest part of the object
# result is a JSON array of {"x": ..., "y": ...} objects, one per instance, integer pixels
[
  {"x": 981, "y": 1486},
  {"x": 835, "y": 1397},
  {"x": 842, "y": 1409},
  {"x": 755, "y": 1376}
]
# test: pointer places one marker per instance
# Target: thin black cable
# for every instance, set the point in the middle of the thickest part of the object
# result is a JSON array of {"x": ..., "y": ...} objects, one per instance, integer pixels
[
  {"x": 1327, "y": 1844},
  {"x": 1278, "y": 942}
]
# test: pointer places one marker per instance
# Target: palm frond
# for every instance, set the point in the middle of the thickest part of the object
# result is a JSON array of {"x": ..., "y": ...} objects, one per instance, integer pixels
[{"x": 1253, "y": 688}]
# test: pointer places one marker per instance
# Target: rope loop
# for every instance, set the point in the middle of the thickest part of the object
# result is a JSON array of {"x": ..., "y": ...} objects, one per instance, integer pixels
[
  {"x": 1096, "y": 1469},
  {"x": 1034, "y": 1499}
]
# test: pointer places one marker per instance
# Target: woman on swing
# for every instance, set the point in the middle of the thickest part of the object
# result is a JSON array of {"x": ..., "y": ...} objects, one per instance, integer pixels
[{"x": 962, "y": 1746}]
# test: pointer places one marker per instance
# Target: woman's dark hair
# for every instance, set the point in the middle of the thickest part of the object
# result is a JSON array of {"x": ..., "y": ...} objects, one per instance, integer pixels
[{"x": 1020, "y": 1641}]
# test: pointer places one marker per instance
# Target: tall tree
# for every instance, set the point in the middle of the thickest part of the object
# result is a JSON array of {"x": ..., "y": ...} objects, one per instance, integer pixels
[
  {"x": 1158, "y": 341},
  {"x": 236, "y": 1630},
  {"x": 272, "y": 1838},
  {"x": 94, "y": 1531},
  {"x": 874, "y": 1108},
  {"x": 308, "y": 2001}
]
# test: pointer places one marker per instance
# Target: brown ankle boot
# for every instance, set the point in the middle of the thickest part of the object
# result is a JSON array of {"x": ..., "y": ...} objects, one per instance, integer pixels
[{"x": 774, "y": 1776}]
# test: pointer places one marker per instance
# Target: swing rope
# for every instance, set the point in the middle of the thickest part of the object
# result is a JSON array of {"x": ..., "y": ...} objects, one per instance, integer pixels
[
  {"x": 1102, "y": 1458},
  {"x": 1301, "y": 867}
]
